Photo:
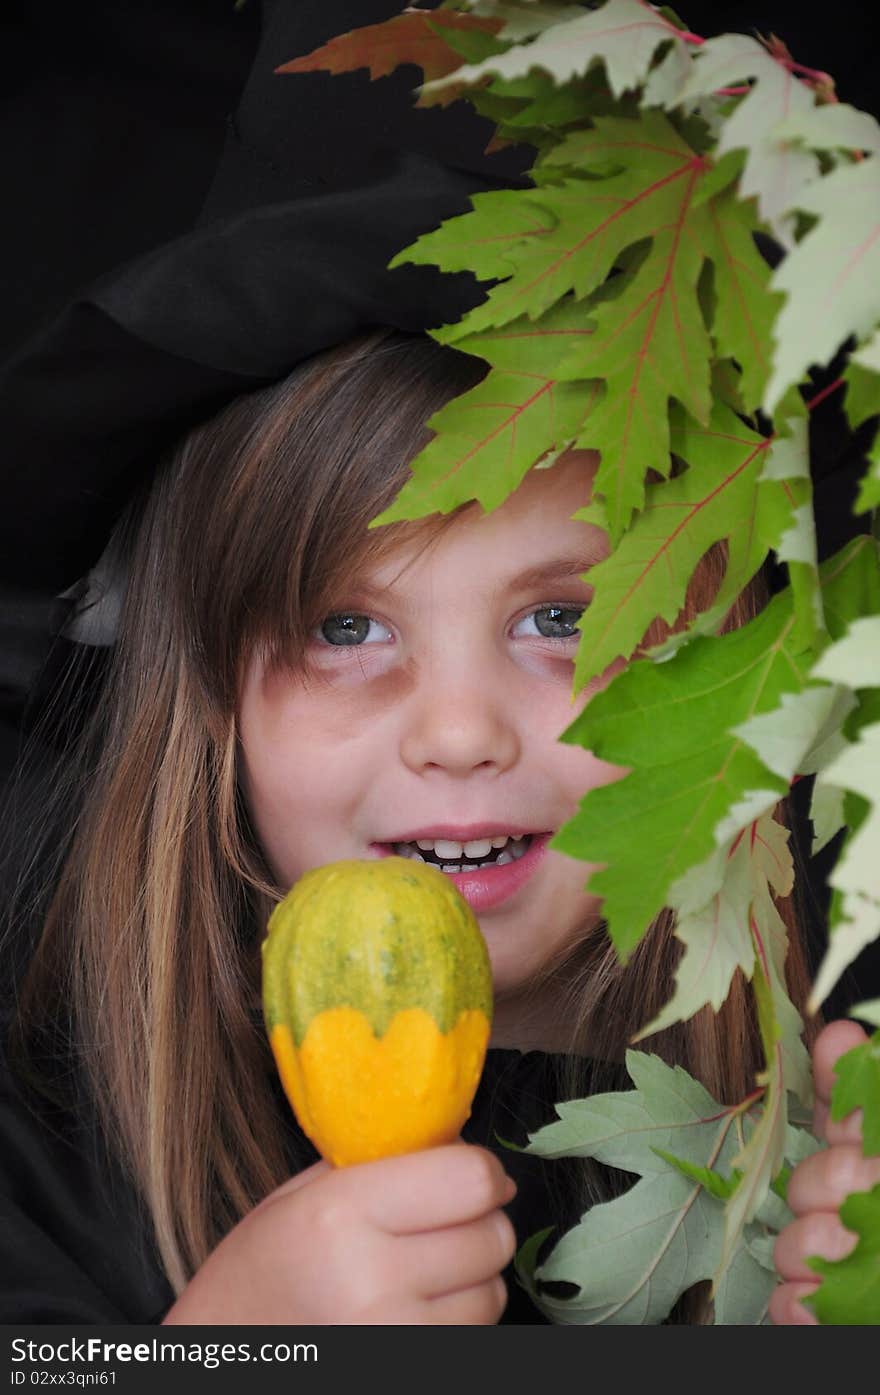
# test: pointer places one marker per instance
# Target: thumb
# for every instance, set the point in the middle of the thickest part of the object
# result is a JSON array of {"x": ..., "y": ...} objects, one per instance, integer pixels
[{"x": 833, "y": 1041}]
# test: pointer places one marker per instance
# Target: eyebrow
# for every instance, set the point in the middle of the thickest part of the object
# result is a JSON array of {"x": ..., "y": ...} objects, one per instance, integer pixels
[{"x": 560, "y": 569}]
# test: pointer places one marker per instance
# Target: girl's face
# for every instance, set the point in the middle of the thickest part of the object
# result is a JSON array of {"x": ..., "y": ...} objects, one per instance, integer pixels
[{"x": 442, "y": 681}]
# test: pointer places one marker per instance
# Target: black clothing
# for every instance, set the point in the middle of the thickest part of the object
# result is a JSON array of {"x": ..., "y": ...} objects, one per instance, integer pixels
[{"x": 75, "y": 1247}]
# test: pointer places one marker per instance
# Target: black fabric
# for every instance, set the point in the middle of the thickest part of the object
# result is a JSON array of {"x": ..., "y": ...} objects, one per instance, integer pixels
[{"x": 74, "y": 1245}]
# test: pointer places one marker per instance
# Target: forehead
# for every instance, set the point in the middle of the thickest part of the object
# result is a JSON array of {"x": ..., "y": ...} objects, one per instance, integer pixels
[{"x": 534, "y": 521}]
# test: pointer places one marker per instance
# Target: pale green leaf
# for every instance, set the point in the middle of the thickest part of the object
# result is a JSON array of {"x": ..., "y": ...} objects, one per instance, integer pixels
[
  {"x": 855, "y": 658},
  {"x": 791, "y": 738},
  {"x": 716, "y": 937},
  {"x": 826, "y": 815},
  {"x": 742, "y": 1293},
  {"x": 775, "y": 168},
  {"x": 524, "y": 20},
  {"x": 632, "y": 1257},
  {"x": 832, "y": 276},
  {"x": 867, "y": 1012},
  {"x": 668, "y": 1109},
  {"x": 762, "y": 1155},
  {"x": 725, "y": 932},
  {"x": 623, "y": 34},
  {"x": 832, "y": 126}
]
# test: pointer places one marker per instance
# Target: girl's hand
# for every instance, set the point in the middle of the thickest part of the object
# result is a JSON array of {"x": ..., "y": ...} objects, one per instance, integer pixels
[
  {"x": 414, "y": 1239},
  {"x": 819, "y": 1185}
]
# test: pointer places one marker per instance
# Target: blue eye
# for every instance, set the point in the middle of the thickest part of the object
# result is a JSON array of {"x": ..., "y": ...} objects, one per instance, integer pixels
[
  {"x": 556, "y": 621},
  {"x": 341, "y": 630}
]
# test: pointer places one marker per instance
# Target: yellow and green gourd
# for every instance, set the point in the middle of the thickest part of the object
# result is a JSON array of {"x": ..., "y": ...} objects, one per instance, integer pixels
[{"x": 377, "y": 994}]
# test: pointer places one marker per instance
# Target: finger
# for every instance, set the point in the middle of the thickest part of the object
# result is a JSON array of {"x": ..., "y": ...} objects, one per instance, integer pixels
[
  {"x": 785, "y": 1308},
  {"x": 831, "y": 1043},
  {"x": 457, "y": 1257},
  {"x": 444, "y": 1186},
  {"x": 481, "y": 1305},
  {"x": 820, "y": 1233},
  {"x": 823, "y": 1180}
]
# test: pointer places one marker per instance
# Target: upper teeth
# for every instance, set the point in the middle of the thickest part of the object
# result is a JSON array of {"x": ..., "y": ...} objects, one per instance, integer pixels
[
  {"x": 477, "y": 847},
  {"x": 474, "y": 848},
  {"x": 451, "y": 853}
]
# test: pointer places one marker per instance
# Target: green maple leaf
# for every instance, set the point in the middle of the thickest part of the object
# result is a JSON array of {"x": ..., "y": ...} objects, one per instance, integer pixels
[
  {"x": 775, "y": 168},
  {"x": 746, "y": 306},
  {"x": 857, "y": 1086},
  {"x": 648, "y": 341},
  {"x": 720, "y": 496},
  {"x": 482, "y": 241},
  {"x": 657, "y": 822},
  {"x": 489, "y": 437},
  {"x": 850, "y": 1292},
  {"x": 624, "y": 35},
  {"x": 638, "y": 345},
  {"x": 417, "y": 36},
  {"x": 862, "y": 377},
  {"x": 653, "y": 825},
  {"x": 832, "y": 276}
]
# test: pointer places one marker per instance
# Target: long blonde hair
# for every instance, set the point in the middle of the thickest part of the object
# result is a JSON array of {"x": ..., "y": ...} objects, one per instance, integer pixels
[{"x": 146, "y": 967}]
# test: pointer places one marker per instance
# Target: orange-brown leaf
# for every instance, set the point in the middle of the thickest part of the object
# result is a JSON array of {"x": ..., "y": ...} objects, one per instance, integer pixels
[{"x": 408, "y": 38}]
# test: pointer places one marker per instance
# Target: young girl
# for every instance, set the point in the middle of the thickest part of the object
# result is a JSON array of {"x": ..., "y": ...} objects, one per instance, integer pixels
[{"x": 288, "y": 688}]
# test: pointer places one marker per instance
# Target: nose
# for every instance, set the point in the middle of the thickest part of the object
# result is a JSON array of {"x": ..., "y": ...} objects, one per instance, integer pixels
[{"x": 460, "y": 723}]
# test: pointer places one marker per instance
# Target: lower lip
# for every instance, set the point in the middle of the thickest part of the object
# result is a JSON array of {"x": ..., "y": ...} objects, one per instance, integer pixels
[{"x": 489, "y": 886}]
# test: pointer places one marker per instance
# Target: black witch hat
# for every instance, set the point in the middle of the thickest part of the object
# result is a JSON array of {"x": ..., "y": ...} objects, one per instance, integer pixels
[{"x": 321, "y": 181}]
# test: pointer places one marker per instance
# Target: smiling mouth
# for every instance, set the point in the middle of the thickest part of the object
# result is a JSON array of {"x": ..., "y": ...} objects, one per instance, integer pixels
[{"x": 479, "y": 853}]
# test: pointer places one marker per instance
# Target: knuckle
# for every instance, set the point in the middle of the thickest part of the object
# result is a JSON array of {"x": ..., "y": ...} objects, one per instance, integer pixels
[
  {"x": 483, "y": 1178},
  {"x": 506, "y": 1236},
  {"x": 845, "y": 1170},
  {"x": 496, "y": 1298}
]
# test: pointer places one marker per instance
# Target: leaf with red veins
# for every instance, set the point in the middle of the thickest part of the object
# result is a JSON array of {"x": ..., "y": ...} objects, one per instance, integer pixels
[
  {"x": 411, "y": 37},
  {"x": 481, "y": 241},
  {"x": 489, "y": 437},
  {"x": 624, "y": 35},
  {"x": 647, "y": 576},
  {"x": 651, "y": 342},
  {"x": 776, "y": 168}
]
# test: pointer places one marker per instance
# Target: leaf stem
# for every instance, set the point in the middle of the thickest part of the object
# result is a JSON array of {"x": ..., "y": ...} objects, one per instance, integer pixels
[{"x": 825, "y": 392}]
